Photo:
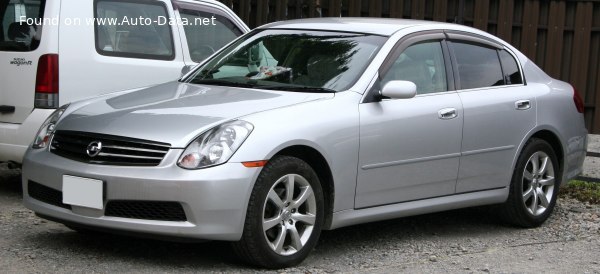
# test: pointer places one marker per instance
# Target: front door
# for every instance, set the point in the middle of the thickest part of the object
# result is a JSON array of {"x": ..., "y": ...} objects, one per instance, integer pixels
[{"x": 410, "y": 148}]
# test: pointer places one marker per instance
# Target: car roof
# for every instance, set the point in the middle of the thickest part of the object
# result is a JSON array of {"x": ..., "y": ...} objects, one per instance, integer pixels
[{"x": 378, "y": 26}]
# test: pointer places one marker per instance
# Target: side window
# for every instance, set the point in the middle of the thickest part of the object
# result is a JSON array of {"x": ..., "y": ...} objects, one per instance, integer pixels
[
  {"x": 133, "y": 29},
  {"x": 512, "y": 74},
  {"x": 21, "y": 24},
  {"x": 478, "y": 66},
  {"x": 422, "y": 64},
  {"x": 204, "y": 39}
]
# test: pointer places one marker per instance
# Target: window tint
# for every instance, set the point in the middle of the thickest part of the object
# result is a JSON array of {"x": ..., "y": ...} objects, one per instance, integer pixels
[
  {"x": 478, "y": 66},
  {"x": 21, "y": 24},
  {"x": 203, "y": 40},
  {"x": 133, "y": 29},
  {"x": 422, "y": 64},
  {"x": 512, "y": 75}
]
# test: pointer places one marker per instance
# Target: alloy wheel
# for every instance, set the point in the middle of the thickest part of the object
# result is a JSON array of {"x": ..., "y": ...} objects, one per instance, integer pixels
[
  {"x": 289, "y": 214},
  {"x": 538, "y": 183}
]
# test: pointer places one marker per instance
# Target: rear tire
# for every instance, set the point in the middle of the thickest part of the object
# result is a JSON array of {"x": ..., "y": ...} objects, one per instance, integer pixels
[
  {"x": 534, "y": 186},
  {"x": 285, "y": 215}
]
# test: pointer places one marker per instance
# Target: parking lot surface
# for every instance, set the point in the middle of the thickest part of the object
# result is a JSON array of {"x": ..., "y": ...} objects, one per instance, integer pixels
[{"x": 469, "y": 240}]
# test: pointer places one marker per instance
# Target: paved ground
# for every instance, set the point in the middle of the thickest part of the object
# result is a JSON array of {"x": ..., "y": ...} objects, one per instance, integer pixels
[
  {"x": 458, "y": 241},
  {"x": 591, "y": 167},
  {"x": 462, "y": 241}
]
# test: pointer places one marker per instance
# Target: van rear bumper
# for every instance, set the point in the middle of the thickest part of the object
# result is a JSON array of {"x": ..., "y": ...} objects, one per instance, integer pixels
[{"x": 15, "y": 138}]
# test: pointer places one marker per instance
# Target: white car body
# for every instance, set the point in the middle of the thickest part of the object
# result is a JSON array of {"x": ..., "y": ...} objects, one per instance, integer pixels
[{"x": 83, "y": 71}]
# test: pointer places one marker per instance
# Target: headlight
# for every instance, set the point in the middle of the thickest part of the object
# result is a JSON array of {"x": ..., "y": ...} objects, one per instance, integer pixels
[
  {"x": 215, "y": 146},
  {"x": 46, "y": 131}
]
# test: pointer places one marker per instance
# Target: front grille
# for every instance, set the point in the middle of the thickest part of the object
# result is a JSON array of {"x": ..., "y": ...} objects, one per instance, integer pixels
[
  {"x": 45, "y": 194},
  {"x": 115, "y": 150},
  {"x": 146, "y": 210}
]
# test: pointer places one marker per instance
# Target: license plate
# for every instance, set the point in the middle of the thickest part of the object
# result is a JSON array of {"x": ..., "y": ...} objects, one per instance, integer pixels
[{"x": 82, "y": 192}]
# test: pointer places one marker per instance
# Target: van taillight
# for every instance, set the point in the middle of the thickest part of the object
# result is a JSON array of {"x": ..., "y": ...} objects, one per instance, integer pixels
[
  {"x": 46, "y": 82},
  {"x": 578, "y": 101}
]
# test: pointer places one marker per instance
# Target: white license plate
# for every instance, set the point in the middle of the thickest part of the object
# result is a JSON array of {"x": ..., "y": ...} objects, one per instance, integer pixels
[{"x": 82, "y": 192}]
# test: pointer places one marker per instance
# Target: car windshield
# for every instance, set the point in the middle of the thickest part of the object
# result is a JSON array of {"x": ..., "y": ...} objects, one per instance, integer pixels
[{"x": 291, "y": 60}]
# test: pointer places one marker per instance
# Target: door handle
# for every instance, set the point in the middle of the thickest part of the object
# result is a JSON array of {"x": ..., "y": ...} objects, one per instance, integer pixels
[
  {"x": 447, "y": 113},
  {"x": 522, "y": 104}
]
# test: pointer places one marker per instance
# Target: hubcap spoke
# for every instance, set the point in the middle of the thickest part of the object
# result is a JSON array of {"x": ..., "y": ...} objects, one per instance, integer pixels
[
  {"x": 295, "y": 236},
  {"x": 270, "y": 223},
  {"x": 535, "y": 162},
  {"x": 305, "y": 218},
  {"x": 543, "y": 166},
  {"x": 289, "y": 188},
  {"x": 534, "y": 202},
  {"x": 278, "y": 244},
  {"x": 306, "y": 193},
  {"x": 273, "y": 197},
  {"x": 527, "y": 175},
  {"x": 527, "y": 194},
  {"x": 542, "y": 198},
  {"x": 547, "y": 182}
]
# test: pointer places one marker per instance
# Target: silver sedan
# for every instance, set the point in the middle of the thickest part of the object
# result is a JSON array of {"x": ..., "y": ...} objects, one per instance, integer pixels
[{"x": 314, "y": 124}]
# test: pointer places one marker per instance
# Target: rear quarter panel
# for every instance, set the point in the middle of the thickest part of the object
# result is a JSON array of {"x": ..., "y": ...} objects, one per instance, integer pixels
[{"x": 556, "y": 113}]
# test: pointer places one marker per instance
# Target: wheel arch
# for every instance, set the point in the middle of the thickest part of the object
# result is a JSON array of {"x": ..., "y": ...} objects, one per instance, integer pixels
[
  {"x": 321, "y": 166},
  {"x": 549, "y": 135}
]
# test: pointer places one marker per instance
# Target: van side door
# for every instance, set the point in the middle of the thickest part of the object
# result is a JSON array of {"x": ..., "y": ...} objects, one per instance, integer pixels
[{"x": 128, "y": 45}]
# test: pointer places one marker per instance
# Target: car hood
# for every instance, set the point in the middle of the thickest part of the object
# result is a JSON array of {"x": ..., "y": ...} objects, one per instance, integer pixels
[{"x": 174, "y": 112}]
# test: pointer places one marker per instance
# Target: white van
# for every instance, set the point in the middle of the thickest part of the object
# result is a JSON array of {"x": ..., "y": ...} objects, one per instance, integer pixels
[{"x": 56, "y": 51}]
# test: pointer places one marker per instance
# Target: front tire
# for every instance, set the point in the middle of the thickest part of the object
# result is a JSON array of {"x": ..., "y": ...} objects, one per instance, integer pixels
[
  {"x": 284, "y": 216},
  {"x": 534, "y": 186}
]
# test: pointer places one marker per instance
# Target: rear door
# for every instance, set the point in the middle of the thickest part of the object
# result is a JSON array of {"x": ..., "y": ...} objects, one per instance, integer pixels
[
  {"x": 205, "y": 28},
  {"x": 23, "y": 39},
  {"x": 499, "y": 111}
]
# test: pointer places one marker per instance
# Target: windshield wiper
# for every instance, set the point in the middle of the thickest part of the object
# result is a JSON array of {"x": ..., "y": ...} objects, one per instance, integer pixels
[
  {"x": 219, "y": 82},
  {"x": 299, "y": 89}
]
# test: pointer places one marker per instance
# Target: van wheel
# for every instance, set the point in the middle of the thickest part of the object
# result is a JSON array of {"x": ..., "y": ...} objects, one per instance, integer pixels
[
  {"x": 285, "y": 215},
  {"x": 534, "y": 186}
]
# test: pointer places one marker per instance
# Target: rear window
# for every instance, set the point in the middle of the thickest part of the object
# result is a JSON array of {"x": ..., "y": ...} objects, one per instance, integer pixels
[
  {"x": 512, "y": 74},
  {"x": 133, "y": 29},
  {"x": 478, "y": 66},
  {"x": 21, "y": 24}
]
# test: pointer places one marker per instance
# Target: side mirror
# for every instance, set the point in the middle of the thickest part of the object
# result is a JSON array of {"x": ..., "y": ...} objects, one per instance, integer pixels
[
  {"x": 399, "y": 90},
  {"x": 186, "y": 69}
]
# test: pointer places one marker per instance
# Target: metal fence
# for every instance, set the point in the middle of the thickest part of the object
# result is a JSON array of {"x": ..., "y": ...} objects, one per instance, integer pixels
[{"x": 561, "y": 36}]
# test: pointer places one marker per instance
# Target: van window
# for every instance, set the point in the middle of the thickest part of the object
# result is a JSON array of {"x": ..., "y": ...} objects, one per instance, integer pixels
[
  {"x": 203, "y": 40},
  {"x": 478, "y": 66},
  {"x": 21, "y": 24},
  {"x": 133, "y": 29}
]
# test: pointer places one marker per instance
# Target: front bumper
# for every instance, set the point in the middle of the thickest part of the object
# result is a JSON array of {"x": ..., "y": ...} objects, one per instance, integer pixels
[{"x": 214, "y": 199}]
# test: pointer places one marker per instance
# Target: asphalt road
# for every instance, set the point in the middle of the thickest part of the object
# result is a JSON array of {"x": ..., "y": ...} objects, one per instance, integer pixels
[{"x": 462, "y": 241}]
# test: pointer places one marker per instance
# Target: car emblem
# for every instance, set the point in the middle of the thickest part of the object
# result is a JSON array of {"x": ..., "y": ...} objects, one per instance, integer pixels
[{"x": 94, "y": 148}]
